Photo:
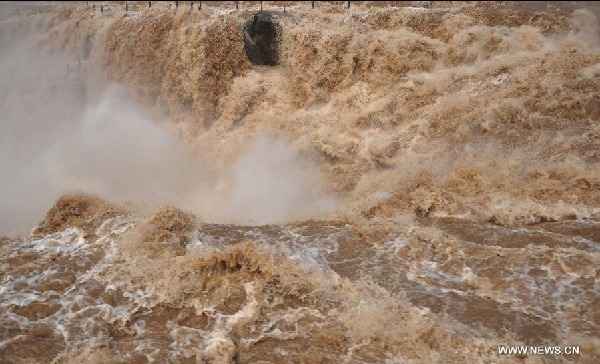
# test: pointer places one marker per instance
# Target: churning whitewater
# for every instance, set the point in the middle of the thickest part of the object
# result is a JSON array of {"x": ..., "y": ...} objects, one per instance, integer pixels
[{"x": 362, "y": 182}]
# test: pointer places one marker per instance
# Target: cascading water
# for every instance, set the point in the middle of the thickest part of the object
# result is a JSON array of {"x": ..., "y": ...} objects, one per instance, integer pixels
[{"x": 406, "y": 185}]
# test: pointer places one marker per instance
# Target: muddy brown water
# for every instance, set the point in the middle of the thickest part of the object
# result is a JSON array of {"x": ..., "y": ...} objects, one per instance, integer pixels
[{"x": 65, "y": 296}]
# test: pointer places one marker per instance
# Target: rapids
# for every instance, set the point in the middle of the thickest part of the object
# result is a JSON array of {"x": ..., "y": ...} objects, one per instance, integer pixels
[{"x": 405, "y": 184}]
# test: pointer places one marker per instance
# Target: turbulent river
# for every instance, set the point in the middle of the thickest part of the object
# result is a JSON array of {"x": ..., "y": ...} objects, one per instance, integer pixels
[{"x": 406, "y": 182}]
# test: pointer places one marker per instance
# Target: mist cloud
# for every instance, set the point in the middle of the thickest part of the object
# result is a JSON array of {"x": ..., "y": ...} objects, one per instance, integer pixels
[{"x": 55, "y": 139}]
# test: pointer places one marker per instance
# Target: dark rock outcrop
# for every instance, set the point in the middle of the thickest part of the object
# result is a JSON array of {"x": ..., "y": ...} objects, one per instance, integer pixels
[{"x": 261, "y": 39}]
